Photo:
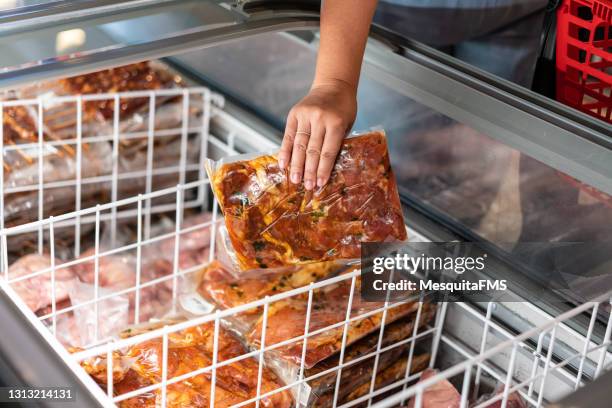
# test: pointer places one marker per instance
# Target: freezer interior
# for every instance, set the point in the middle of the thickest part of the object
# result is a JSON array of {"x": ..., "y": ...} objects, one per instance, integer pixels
[{"x": 103, "y": 260}]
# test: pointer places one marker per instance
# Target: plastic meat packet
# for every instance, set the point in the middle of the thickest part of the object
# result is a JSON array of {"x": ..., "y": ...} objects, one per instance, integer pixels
[
  {"x": 286, "y": 320},
  {"x": 21, "y": 155},
  {"x": 98, "y": 115},
  {"x": 189, "y": 350},
  {"x": 287, "y": 317},
  {"x": 36, "y": 291},
  {"x": 272, "y": 222},
  {"x": 112, "y": 313},
  {"x": 356, "y": 377}
]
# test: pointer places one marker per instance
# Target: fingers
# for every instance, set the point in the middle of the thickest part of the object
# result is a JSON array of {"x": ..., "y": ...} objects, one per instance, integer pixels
[
  {"x": 298, "y": 155},
  {"x": 313, "y": 152},
  {"x": 331, "y": 146},
  {"x": 284, "y": 155}
]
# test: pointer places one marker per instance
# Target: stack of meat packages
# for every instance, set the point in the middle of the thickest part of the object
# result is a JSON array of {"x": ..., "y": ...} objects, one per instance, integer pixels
[
  {"x": 74, "y": 284},
  {"x": 57, "y": 123},
  {"x": 284, "y": 237}
]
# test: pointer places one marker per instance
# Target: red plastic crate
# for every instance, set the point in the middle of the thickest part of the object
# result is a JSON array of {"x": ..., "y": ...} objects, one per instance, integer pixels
[{"x": 584, "y": 56}]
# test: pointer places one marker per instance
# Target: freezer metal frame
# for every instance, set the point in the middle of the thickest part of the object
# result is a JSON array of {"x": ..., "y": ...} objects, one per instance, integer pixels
[
  {"x": 533, "y": 361},
  {"x": 528, "y": 362}
]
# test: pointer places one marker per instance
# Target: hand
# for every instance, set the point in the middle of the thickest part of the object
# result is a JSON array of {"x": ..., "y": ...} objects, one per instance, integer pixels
[{"x": 316, "y": 127}]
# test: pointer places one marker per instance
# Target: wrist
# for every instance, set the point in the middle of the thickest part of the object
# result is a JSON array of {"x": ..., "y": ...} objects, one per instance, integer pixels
[{"x": 335, "y": 83}]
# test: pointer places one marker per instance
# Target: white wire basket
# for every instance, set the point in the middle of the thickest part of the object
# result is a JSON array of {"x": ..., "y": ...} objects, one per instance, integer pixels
[{"x": 472, "y": 349}]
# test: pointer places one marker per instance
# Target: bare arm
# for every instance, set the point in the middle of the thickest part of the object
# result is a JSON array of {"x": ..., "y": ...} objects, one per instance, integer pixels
[{"x": 318, "y": 123}]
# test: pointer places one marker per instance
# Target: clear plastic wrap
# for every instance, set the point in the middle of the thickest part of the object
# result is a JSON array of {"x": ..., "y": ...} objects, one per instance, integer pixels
[
  {"x": 287, "y": 317},
  {"x": 272, "y": 222},
  {"x": 37, "y": 291},
  {"x": 21, "y": 156},
  {"x": 356, "y": 377},
  {"x": 189, "y": 350},
  {"x": 106, "y": 319},
  {"x": 286, "y": 320},
  {"x": 118, "y": 271},
  {"x": 21, "y": 151},
  {"x": 98, "y": 115}
]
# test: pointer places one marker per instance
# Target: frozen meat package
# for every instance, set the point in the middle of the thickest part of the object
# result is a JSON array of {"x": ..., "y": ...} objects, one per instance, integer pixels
[
  {"x": 188, "y": 350},
  {"x": 286, "y": 320},
  {"x": 272, "y": 222},
  {"x": 75, "y": 280},
  {"x": 43, "y": 139}
]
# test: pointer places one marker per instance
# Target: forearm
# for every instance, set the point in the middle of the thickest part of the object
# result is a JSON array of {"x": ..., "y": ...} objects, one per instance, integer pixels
[{"x": 344, "y": 31}]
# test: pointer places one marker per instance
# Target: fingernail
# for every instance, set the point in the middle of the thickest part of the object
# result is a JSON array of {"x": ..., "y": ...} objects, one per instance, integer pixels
[
  {"x": 295, "y": 178},
  {"x": 281, "y": 164},
  {"x": 308, "y": 184},
  {"x": 320, "y": 182}
]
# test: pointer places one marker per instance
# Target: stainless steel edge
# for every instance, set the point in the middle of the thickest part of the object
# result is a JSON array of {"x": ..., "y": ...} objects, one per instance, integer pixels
[
  {"x": 592, "y": 395},
  {"x": 513, "y": 125},
  {"x": 63, "y": 9},
  {"x": 184, "y": 42},
  {"x": 28, "y": 355}
]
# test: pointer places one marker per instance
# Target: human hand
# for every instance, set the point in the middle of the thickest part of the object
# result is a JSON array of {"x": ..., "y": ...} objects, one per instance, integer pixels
[{"x": 316, "y": 127}]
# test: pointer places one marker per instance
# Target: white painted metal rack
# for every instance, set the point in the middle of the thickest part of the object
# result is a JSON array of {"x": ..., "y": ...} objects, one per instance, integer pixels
[{"x": 467, "y": 344}]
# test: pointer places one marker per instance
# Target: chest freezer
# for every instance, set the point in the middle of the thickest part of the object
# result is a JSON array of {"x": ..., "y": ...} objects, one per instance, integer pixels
[{"x": 476, "y": 159}]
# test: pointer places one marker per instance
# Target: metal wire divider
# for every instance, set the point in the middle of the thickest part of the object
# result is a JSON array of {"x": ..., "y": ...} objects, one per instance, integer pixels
[
  {"x": 206, "y": 103},
  {"x": 476, "y": 363},
  {"x": 531, "y": 389}
]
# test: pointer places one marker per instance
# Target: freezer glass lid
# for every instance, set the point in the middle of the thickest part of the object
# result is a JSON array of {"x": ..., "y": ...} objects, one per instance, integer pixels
[
  {"x": 56, "y": 35},
  {"x": 458, "y": 170}
]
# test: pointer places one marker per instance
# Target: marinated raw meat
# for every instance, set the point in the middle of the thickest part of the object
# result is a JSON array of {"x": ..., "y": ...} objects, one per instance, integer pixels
[
  {"x": 97, "y": 367},
  {"x": 36, "y": 291},
  {"x": 439, "y": 395},
  {"x": 189, "y": 350},
  {"x": 140, "y": 76},
  {"x": 287, "y": 317},
  {"x": 355, "y": 380},
  {"x": 20, "y": 124},
  {"x": 388, "y": 376},
  {"x": 221, "y": 287},
  {"x": 272, "y": 222}
]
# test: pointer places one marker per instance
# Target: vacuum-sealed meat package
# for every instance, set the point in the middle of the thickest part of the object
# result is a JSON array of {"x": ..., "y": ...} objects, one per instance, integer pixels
[
  {"x": 22, "y": 168},
  {"x": 98, "y": 115},
  {"x": 189, "y": 350},
  {"x": 272, "y": 222},
  {"x": 287, "y": 317},
  {"x": 356, "y": 377},
  {"x": 56, "y": 122},
  {"x": 37, "y": 290}
]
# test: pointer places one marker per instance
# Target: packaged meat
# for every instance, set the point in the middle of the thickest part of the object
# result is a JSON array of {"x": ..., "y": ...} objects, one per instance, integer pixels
[
  {"x": 21, "y": 151},
  {"x": 395, "y": 372},
  {"x": 287, "y": 317},
  {"x": 286, "y": 320},
  {"x": 21, "y": 156},
  {"x": 36, "y": 291},
  {"x": 104, "y": 320},
  {"x": 118, "y": 270},
  {"x": 194, "y": 244},
  {"x": 220, "y": 286},
  {"x": 439, "y": 395},
  {"x": 98, "y": 115},
  {"x": 355, "y": 379},
  {"x": 272, "y": 222},
  {"x": 189, "y": 350}
]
